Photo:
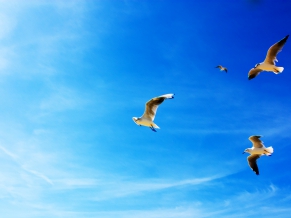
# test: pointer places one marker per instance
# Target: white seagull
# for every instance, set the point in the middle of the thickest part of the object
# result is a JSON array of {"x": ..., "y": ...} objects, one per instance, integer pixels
[
  {"x": 222, "y": 68},
  {"x": 150, "y": 112},
  {"x": 269, "y": 63},
  {"x": 256, "y": 151}
]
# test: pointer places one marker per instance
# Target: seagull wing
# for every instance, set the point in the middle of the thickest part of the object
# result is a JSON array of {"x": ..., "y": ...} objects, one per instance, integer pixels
[
  {"x": 274, "y": 50},
  {"x": 255, "y": 139},
  {"x": 254, "y": 72},
  {"x": 252, "y": 160},
  {"x": 152, "y": 106},
  {"x": 219, "y": 66}
]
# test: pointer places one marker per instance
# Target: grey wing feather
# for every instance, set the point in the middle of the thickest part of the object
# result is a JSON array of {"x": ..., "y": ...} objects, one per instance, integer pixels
[
  {"x": 254, "y": 72},
  {"x": 274, "y": 50},
  {"x": 252, "y": 160},
  {"x": 151, "y": 107},
  {"x": 257, "y": 143}
]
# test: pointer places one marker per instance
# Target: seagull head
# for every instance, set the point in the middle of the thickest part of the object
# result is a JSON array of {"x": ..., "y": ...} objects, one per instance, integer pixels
[
  {"x": 257, "y": 65},
  {"x": 247, "y": 151},
  {"x": 136, "y": 119}
]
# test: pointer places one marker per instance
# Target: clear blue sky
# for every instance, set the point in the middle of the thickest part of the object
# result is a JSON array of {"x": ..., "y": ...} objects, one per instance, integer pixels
[{"x": 74, "y": 73}]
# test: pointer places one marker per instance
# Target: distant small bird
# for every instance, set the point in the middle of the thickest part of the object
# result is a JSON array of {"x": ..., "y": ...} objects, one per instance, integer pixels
[
  {"x": 256, "y": 151},
  {"x": 150, "y": 112},
  {"x": 269, "y": 62},
  {"x": 222, "y": 68}
]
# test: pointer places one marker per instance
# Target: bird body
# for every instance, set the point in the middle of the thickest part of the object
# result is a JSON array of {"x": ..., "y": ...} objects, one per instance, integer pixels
[
  {"x": 147, "y": 119},
  {"x": 256, "y": 152},
  {"x": 261, "y": 151},
  {"x": 222, "y": 68},
  {"x": 269, "y": 63},
  {"x": 145, "y": 122},
  {"x": 270, "y": 67}
]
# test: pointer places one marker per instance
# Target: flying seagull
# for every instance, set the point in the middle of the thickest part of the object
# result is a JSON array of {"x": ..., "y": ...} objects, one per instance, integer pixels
[
  {"x": 150, "y": 112},
  {"x": 256, "y": 151},
  {"x": 269, "y": 62},
  {"x": 222, "y": 68}
]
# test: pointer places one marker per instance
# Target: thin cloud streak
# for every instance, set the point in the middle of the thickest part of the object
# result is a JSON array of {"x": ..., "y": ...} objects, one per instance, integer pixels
[
  {"x": 10, "y": 154},
  {"x": 38, "y": 174},
  {"x": 121, "y": 189}
]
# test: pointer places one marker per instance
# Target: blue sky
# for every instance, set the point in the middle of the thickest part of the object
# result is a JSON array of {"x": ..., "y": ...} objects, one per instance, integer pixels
[{"x": 74, "y": 73}]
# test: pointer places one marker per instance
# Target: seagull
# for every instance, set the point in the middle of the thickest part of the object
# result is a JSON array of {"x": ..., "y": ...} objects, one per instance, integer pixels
[
  {"x": 256, "y": 151},
  {"x": 269, "y": 62},
  {"x": 222, "y": 68},
  {"x": 150, "y": 112}
]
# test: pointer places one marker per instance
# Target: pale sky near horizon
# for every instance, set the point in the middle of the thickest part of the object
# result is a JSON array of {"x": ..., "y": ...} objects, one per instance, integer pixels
[{"x": 74, "y": 73}]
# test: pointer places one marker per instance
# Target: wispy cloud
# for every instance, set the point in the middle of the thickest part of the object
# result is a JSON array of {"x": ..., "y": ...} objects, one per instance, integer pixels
[
  {"x": 10, "y": 154},
  {"x": 178, "y": 212},
  {"x": 257, "y": 203},
  {"x": 111, "y": 188},
  {"x": 21, "y": 165},
  {"x": 38, "y": 174}
]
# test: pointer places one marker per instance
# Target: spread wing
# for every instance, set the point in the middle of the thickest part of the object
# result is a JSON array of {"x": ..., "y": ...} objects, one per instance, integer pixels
[
  {"x": 152, "y": 106},
  {"x": 274, "y": 50},
  {"x": 252, "y": 160},
  {"x": 255, "y": 139},
  {"x": 253, "y": 73},
  {"x": 222, "y": 68}
]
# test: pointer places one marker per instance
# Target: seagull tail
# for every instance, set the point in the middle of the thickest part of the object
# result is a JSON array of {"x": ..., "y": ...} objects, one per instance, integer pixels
[
  {"x": 156, "y": 126},
  {"x": 280, "y": 69},
  {"x": 270, "y": 149}
]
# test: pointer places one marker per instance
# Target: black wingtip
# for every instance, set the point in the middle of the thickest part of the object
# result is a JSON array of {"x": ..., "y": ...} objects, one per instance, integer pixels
[
  {"x": 251, "y": 77},
  {"x": 256, "y": 172},
  {"x": 283, "y": 41}
]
